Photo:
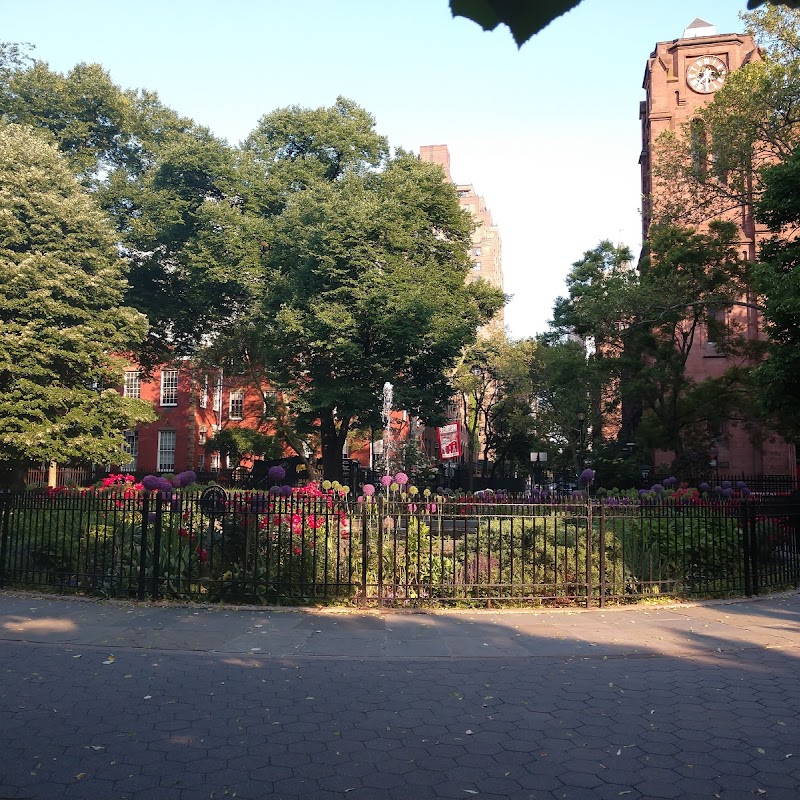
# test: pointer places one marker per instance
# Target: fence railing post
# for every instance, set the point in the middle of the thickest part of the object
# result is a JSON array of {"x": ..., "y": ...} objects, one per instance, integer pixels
[
  {"x": 755, "y": 561},
  {"x": 746, "y": 547},
  {"x": 143, "y": 546},
  {"x": 156, "y": 549},
  {"x": 5, "y": 515},
  {"x": 365, "y": 550},
  {"x": 589, "y": 534},
  {"x": 602, "y": 545}
]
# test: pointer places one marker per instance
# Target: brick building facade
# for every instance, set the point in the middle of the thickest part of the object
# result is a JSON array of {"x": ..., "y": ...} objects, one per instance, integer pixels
[
  {"x": 192, "y": 405},
  {"x": 681, "y": 76}
]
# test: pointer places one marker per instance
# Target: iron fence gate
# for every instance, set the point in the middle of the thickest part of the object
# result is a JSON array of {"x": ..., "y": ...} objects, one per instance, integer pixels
[{"x": 269, "y": 548}]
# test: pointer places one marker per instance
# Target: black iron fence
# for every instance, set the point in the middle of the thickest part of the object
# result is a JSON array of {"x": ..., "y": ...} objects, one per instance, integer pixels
[{"x": 268, "y": 548}]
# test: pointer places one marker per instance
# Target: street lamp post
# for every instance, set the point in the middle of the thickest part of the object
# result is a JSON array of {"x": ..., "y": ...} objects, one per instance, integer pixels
[
  {"x": 537, "y": 460},
  {"x": 579, "y": 450}
]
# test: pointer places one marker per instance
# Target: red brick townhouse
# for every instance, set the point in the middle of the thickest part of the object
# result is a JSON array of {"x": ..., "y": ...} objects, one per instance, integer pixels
[{"x": 192, "y": 405}]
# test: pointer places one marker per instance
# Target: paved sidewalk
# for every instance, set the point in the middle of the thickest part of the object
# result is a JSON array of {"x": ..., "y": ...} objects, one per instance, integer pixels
[{"x": 119, "y": 700}]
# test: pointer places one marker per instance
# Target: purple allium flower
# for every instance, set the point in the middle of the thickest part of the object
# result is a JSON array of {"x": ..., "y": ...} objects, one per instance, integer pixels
[
  {"x": 657, "y": 488},
  {"x": 586, "y": 477},
  {"x": 164, "y": 484},
  {"x": 286, "y": 490},
  {"x": 368, "y": 489},
  {"x": 643, "y": 492},
  {"x": 387, "y": 480},
  {"x": 717, "y": 490},
  {"x": 276, "y": 473},
  {"x": 150, "y": 482},
  {"x": 671, "y": 481},
  {"x": 745, "y": 492},
  {"x": 185, "y": 478},
  {"x": 727, "y": 492},
  {"x": 274, "y": 489},
  {"x": 727, "y": 485},
  {"x": 741, "y": 485},
  {"x": 401, "y": 478},
  {"x": 704, "y": 487}
]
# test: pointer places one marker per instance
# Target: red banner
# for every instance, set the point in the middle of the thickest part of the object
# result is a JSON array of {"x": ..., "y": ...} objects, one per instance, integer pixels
[{"x": 450, "y": 440}]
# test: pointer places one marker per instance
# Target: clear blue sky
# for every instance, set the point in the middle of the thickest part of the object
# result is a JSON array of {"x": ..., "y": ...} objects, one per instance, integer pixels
[{"x": 548, "y": 134}]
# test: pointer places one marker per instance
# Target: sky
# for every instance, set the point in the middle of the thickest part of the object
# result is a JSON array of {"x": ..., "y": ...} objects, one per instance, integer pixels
[{"x": 548, "y": 134}]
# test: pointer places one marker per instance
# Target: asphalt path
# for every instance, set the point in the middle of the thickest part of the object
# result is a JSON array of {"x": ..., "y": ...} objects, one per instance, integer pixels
[{"x": 124, "y": 701}]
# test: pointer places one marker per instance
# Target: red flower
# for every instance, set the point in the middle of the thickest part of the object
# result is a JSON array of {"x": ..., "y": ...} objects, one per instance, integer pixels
[
  {"x": 183, "y": 532},
  {"x": 202, "y": 553}
]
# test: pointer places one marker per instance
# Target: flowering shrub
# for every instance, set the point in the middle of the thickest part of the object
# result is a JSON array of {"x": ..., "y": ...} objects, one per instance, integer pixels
[
  {"x": 276, "y": 474},
  {"x": 184, "y": 479}
]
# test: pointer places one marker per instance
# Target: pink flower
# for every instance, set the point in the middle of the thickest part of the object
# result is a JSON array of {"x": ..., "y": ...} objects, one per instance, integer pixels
[
  {"x": 368, "y": 489},
  {"x": 387, "y": 480},
  {"x": 401, "y": 478}
]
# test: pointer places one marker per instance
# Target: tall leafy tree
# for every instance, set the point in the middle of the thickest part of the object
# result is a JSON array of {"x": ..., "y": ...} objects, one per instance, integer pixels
[
  {"x": 644, "y": 325},
  {"x": 62, "y": 316},
  {"x": 777, "y": 280},
  {"x": 368, "y": 286}
]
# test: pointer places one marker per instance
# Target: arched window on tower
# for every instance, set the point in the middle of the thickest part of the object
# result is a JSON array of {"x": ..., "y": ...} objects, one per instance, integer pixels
[{"x": 698, "y": 148}]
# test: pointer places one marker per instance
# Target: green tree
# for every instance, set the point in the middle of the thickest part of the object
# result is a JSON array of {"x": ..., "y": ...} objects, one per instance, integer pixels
[
  {"x": 643, "y": 324},
  {"x": 494, "y": 379},
  {"x": 604, "y": 308},
  {"x": 368, "y": 286},
  {"x": 61, "y": 316},
  {"x": 777, "y": 280},
  {"x": 240, "y": 443}
]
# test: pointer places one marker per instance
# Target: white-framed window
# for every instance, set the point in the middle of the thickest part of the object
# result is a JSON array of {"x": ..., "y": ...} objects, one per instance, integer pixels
[
  {"x": 236, "y": 405},
  {"x": 133, "y": 384},
  {"x": 202, "y": 436},
  {"x": 476, "y": 266},
  {"x": 131, "y": 451},
  {"x": 201, "y": 461},
  {"x": 204, "y": 392},
  {"x": 215, "y": 462},
  {"x": 218, "y": 393},
  {"x": 169, "y": 387},
  {"x": 166, "y": 451},
  {"x": 477, "y": 252}
]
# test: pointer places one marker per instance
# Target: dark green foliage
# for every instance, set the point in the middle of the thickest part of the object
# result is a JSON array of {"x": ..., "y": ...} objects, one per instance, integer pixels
[
  {"x": 61, "y": 314},
  {"x": 777, "y": 279}
]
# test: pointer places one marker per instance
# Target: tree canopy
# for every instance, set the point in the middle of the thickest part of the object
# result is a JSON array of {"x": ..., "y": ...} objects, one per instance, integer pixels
[
  {"x": 62, "y": 317},
  {"x": 777, "y": 280},
  {"x": 308, "y": 258},
  {"x": 525, "y": 18}
]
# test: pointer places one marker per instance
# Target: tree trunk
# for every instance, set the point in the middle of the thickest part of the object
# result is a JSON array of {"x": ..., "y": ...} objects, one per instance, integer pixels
[{"x": 332, "y": 440}]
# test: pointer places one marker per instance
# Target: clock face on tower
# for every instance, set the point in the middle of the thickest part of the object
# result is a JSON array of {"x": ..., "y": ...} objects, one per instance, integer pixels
[{"x": 706, "y": 74}]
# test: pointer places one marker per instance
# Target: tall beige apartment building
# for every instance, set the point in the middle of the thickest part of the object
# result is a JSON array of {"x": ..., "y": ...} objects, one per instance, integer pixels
[{"x": 486, "y": 251}]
